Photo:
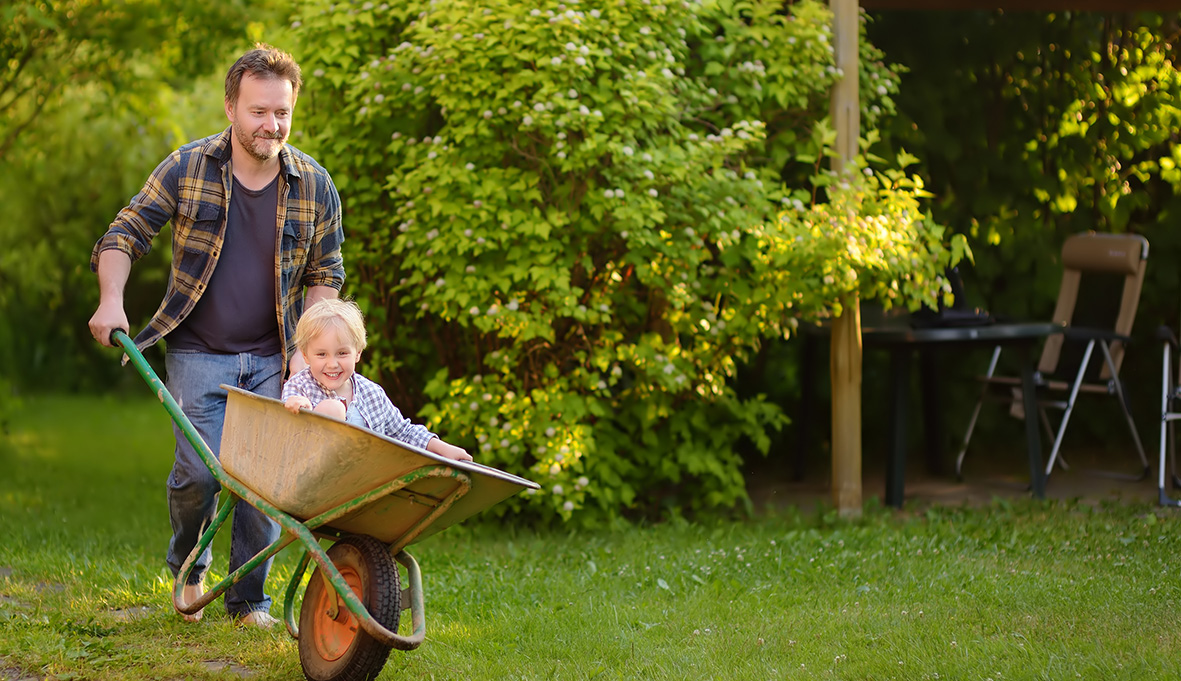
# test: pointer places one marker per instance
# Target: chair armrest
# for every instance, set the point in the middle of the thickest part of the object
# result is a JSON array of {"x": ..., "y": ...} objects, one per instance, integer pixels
[
  {"x": 1166, "y": 335},
  {"x": 1082, "y": 333}
]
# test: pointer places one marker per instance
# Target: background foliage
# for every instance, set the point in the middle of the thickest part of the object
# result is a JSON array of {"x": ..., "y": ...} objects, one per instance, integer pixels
[
  {"x": 1026, "y": 126},
  {"x": 1040, "y": 126}
]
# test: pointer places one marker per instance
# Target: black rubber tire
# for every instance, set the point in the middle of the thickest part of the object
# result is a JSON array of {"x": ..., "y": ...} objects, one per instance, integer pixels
[{"x": 326, "y": 651}]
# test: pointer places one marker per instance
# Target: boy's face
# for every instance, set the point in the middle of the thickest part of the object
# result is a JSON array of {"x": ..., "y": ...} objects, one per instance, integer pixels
[{"x": 331, "y": 358}]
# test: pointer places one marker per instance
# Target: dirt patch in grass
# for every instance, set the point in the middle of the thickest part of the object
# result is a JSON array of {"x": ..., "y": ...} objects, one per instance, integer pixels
[
  {"x": 228, "y": 666},
  {"x": 132, "y": 613},
  {"x": 10, "y": 673}
]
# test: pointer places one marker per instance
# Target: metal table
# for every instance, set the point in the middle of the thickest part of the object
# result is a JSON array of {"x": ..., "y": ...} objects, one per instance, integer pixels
[{"x": 903, "y": 342}]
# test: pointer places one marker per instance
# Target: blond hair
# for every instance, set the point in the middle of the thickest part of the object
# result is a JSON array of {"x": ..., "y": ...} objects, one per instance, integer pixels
[{"x": 343, "y": 315}]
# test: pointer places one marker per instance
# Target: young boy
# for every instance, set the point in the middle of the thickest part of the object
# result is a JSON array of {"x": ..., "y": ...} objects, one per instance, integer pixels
[{"x": 331, "y": 336}]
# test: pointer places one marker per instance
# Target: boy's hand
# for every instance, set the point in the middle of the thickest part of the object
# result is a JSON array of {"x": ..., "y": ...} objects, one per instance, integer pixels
[
  {"x": 437, "y": 446},
  {"x": 297, "y": 402}
]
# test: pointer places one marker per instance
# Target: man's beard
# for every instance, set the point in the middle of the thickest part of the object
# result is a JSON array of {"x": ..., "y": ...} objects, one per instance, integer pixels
[{"x": 250, "y": 145}]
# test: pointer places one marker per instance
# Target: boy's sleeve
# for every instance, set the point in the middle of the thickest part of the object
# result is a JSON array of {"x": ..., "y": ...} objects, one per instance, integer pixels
[
  {"x": 297, "y": 385},
  {"x": 388, "y": 419}
]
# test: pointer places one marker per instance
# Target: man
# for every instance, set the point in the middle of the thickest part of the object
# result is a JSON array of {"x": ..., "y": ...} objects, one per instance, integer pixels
[{"x": 254, "y": 223}]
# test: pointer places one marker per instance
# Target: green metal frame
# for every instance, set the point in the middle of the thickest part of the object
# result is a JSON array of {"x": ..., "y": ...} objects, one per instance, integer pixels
[{"x": 294, "y": 530}]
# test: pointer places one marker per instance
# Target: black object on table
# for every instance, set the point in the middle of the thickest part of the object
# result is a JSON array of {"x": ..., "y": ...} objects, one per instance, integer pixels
[{"x": 902, "y": 341}]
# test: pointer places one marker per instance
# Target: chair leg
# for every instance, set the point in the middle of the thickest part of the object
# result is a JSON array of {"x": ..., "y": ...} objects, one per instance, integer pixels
[
  {"x": 959, "y": 459},
  {"x": 1044, "y": 417},
  {"x": 1166, "y": 427},
  {"x": 1119, "y": 393},
  {"x": 1074, "y": 388}
]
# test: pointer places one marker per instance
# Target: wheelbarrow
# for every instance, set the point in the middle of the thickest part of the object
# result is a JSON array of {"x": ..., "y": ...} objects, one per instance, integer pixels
[{"x": 321, "y": 478}]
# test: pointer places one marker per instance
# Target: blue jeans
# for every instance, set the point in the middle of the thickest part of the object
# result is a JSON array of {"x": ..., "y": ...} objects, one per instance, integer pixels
[{"x": 193, "y": 380}]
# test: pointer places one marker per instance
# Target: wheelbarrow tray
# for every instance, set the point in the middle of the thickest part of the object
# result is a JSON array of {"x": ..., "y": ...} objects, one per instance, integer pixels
[{"x": 307, "y": 464}]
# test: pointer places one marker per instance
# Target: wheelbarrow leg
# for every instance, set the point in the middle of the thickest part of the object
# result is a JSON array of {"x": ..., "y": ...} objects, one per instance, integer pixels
[{"x": 186, "y": 569}]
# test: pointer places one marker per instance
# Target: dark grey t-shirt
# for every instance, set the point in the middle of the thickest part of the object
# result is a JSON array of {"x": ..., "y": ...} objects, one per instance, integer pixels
[{"x": 237, "y": 312}]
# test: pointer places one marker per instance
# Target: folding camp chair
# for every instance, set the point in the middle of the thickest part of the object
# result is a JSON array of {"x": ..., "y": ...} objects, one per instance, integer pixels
[
  {"x": 1094, "y": 265},
  {"x": 1170, "y": 402}
]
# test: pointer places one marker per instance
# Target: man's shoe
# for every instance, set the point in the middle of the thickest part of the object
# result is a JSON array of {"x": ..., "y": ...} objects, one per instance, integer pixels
[
  {"x": 259, "y": 619},
  {"x": 190, "y": 593}
]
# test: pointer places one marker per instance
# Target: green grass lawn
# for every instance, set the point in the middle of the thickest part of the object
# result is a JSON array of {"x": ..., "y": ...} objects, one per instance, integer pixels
[{"x": 1028, "y": 590}]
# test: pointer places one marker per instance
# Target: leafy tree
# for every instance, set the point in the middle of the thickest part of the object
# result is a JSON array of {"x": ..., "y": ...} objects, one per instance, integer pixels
[
  {"x": 560, "y": 218},
  {"x": 128, "y": 47},
  {"x": 93, "y": 93}
]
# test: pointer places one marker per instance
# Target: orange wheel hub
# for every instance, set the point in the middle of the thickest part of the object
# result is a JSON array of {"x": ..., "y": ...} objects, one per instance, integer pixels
[{"x": 333, "y": 637}]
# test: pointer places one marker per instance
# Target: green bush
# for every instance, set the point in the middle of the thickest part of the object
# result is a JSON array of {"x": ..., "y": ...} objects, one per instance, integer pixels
[{"x": 558, "y": 219}]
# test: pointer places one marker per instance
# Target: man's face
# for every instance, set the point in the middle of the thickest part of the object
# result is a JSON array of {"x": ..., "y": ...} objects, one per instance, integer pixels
[{"x": 261, "y": 117}]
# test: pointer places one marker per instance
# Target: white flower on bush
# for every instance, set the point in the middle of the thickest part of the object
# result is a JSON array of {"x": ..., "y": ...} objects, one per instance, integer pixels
[
  {"x": 595, "y": 13},
  {"x": 628, "y": 151},
  {"x": 439, "y": 282},
  {"x": 609, "y": 193},
  {"x": 653, "y": 193},
  {"x": 644, "y": 30},
  {"x": 580, "y": 61},
  {"x": 535, "y": 13},
  {"x": 558, "y": 490},
  {"x": 556, "y": 61},
  {"x": 581, "y": 482},
  {"x": 572, "y": 93},
  {"x": 527, "y": 120},
  {"x": 568, "y": 506},
  {"x": 513, "y": 305},
  {"x": 583, "y": 110}
]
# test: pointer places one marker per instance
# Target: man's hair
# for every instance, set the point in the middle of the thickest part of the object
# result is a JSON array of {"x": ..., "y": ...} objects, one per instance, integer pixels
[
  {"x": 343, "y": 315},
  {"x": 263, "y": 61}
]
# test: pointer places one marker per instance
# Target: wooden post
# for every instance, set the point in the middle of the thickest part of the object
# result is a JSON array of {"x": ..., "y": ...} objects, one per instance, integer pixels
[
  {"x": 845, "y": 372},
  {"x": 845, "y": 362}
]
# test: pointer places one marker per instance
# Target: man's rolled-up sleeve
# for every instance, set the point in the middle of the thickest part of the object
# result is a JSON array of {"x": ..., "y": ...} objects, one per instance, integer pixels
[
  {"x": 136, "y": 226},
  {"x": 325, "y": 262}
]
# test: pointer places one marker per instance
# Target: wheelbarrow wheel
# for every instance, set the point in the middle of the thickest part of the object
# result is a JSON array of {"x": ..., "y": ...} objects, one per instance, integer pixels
[{"x": 338, "y": 649}]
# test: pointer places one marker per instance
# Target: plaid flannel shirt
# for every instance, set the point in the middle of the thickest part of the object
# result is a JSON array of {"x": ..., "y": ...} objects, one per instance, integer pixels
[
  {"x": 191, "y": 189},
  {"x": 370, "y": 401}
]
